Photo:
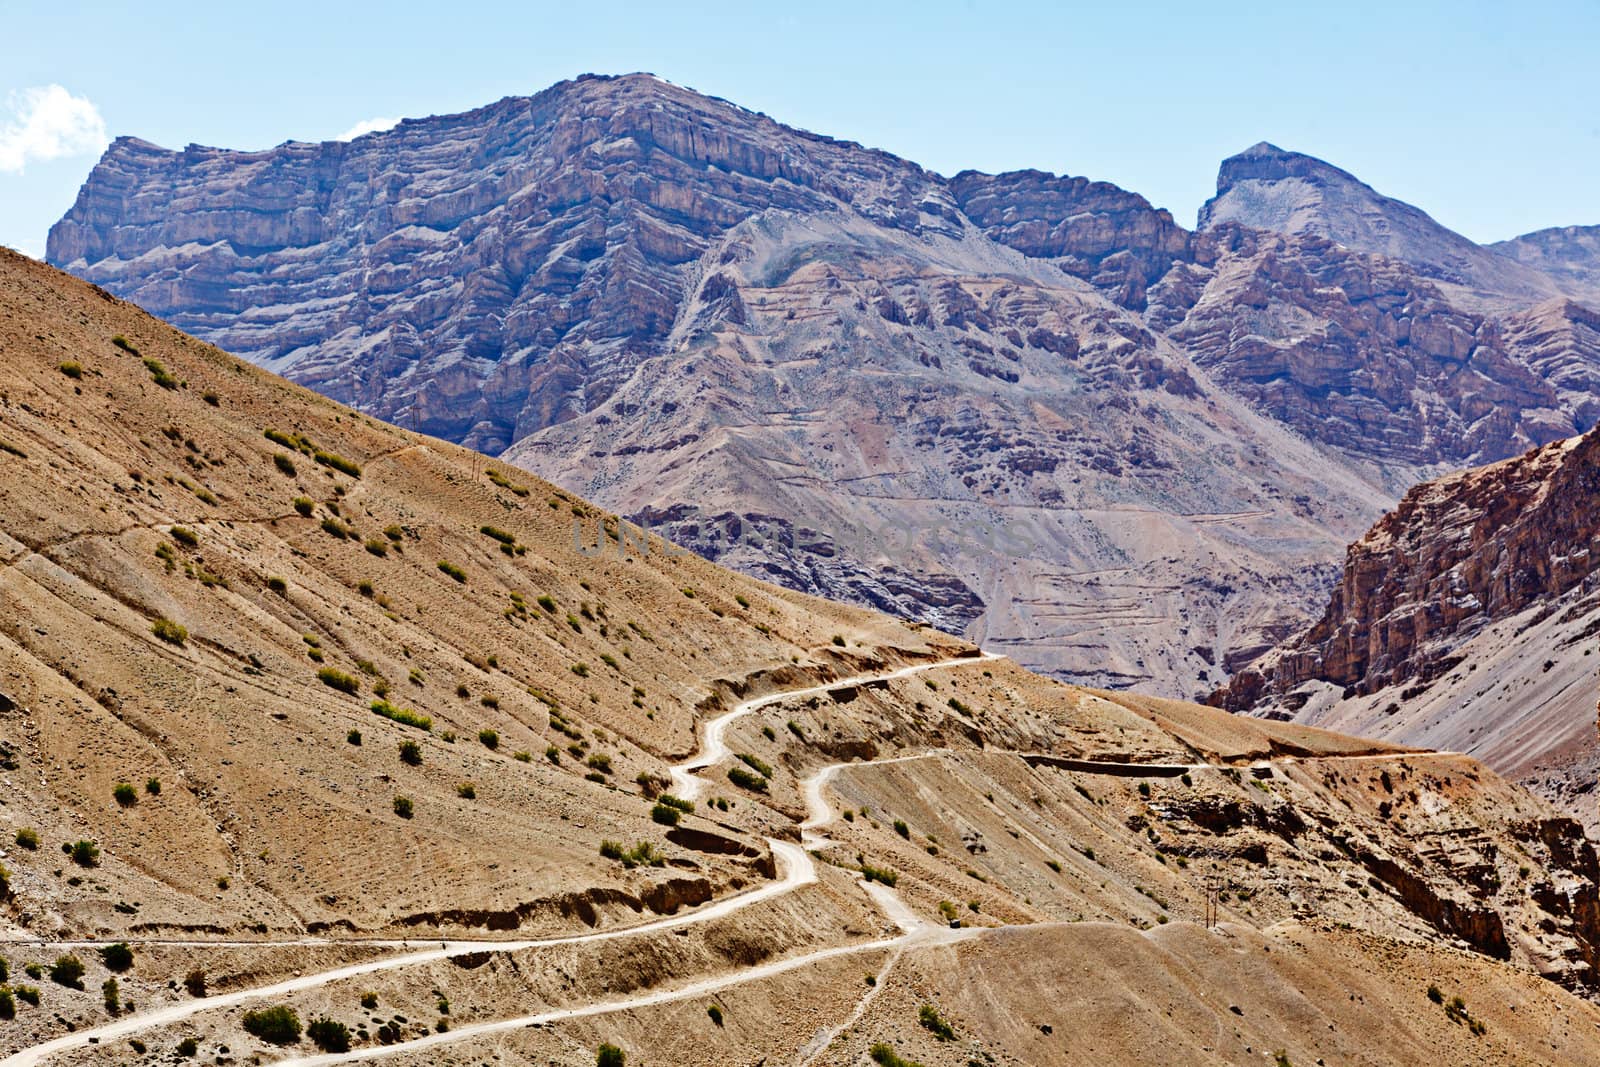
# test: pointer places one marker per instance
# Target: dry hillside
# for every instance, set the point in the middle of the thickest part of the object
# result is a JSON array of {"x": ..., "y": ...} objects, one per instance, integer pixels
[{"x": 320, "y": 714}]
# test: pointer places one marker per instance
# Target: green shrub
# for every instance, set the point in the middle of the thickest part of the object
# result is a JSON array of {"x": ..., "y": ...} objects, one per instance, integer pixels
[
  {"x": 85, "y": 853},
  {"x": 334, "y": 528},
  {"x": 369, "y": 1001},
  {"x": 171, "y": 632},
  {"x": 125, "y": 344},
  {"x": 403, "y": 807},
  {"x": 125, "y": 794},
  {"x": 884, "y": 875},
  {"x": 505, "y": 537},
  {"x": 354, "y": 738},
  {"x": 599, "y": 761},
  {"x": 489, "y": 739},
  {"x": 118, "y": 957},
  {"x": 609, "y": 1056},
  {"x": 337, "y": 462},
  {"x": 377, "y": 546},
  {"x": 453, "y": 571},
  {"x": 467, "y": 791},
  {"x": 71, "y": 370},
  {"x": 685, "y": 806},
  {"x": 884, "y": 1056},
  {"x": 337, "y": 679},
  {"x": 8, "y": 1005},
  {"x": 935, "y": 1023},
  {"x": 304, "y": 505},
  {"x": 195, "y": 983},
  {"x": 188, "y": 1047},
  {"x": 160, "y": 375},
  {"x": 277, "y": 1025},
  {"x": 902, "y": 829},
  {"x": 666, "y": 814},
  {"x": 747, "y": 780},
  {"x": 111, "y": 995},
  {"x": 403, "y": 716},
  {"x": 411, "y": 753},
  {"x": 715, "y": 1013},
  {"x": 67, "y": 971},
  {"x": 581, "y": 670},
  {"x": 328, "y": 1035},
  {"x": 28, "y": 839},
  {"x": 759, "y": 766}
]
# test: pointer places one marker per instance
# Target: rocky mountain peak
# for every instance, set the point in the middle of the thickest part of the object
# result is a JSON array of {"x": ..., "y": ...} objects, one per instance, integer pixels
[{"x": 1270, "y": 188}]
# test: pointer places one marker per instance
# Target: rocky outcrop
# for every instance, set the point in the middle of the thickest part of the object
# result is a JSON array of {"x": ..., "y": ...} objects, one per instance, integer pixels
[
  {"x": 1456, "y": 553},
  {"x": 1363, "y": 354},
  {"x": 1107, "y": 236},
  {"x": 477, "y": 276},
  {"x": 1267, "y": 188}
]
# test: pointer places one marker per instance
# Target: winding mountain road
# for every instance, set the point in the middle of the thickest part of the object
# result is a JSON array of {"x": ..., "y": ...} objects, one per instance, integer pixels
[{"x": 795, "y": 865}]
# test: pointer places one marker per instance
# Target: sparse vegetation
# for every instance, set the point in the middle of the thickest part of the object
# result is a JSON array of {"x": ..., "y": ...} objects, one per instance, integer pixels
[
  {"x": 935, "y": 1023},
  {"x": 117, "y": 958},
  {"x": 28, "y": 839},
  {"x": 337, "y": 679},
  {"x": 467, "y": 791},
  {"x": 609, "y": 1056},
  {"x": 125, "y": 794},
  {"x": 303, "y": 506},
  {"x": 884, "y": 875},
  {"x": 85, "y": 853},
  {"x": 160, "y": 375},
  {"x": 756, "y": 764},
  {"x": 277, "y": 1025},
  {"x": 489, "y": 739},
  {"x": 194, "y": 983},
  {"x": 329, "y": 1035},
  {"x": 643, "y": 854},
  {"x": 884, "y": 1056},
  {"x": 410, "y": 753},
  {"x": 171, "y": 632},
  {"x": 71, "y": 370},
  {"x": 747, "y": 780},
  {"x": 715, "y": 1013},
  {"x": 453, "y": 571},
  {"x": 337, "y": 462},
  {"x": 403, "y": 807},
  {"x": 67, "y": 970},
  {"x": 666, "y": 814},
  {"x": 403, "y": 716}
]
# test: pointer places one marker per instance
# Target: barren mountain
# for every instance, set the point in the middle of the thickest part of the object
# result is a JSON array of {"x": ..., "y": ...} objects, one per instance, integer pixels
[
  {"x": 322, "y": 716},
  {"x": 1026, "y": 408},
  {"x": 1568, "y": 255},
  {"x": 1465, "y": 620},
  {"x": 1267, "y": 188}
]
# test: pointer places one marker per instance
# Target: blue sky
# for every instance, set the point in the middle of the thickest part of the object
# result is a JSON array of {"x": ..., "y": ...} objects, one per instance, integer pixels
[{"x": 1483, "y": 116}]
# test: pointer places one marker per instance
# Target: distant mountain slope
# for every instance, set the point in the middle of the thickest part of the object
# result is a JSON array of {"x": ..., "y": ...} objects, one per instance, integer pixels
[
  {"x": 1568, "y": 255},
  {"x": 1024, "y": 407},
  {"x": 1466, "y": 619},
  {"x": 1267, "y": 188}
]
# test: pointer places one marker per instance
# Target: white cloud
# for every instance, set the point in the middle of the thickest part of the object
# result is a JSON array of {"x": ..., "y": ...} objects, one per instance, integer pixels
[
  {"x": 368, "y": 126},
  {"x": 47, "y": 122}
]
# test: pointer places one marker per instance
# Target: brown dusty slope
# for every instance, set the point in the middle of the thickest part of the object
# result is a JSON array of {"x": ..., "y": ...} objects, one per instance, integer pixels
[{"x": 152, "y": 482}]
